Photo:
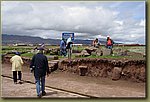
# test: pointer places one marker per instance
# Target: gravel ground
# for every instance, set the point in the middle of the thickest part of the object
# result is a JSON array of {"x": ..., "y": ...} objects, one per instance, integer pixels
[{"x": 98, "y": 87}]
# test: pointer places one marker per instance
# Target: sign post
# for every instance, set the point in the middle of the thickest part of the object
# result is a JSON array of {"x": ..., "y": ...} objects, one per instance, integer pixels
[{"x": 67, "y": 35}]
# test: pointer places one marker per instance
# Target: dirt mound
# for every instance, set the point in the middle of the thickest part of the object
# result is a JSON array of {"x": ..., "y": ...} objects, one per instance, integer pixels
[{"x": 133, "y": 70}]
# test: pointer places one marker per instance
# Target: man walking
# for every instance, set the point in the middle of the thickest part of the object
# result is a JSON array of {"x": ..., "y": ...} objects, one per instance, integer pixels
[
  {"x": 17, "y": 67},
  {"x": 39, "y": 65}
]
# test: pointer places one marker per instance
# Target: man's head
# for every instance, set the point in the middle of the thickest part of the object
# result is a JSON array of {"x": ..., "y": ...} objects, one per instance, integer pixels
[
  {"x": 17, "y": 53},
  {"x": 108, "y": 37},
  {"x": 40, "y": 50}
]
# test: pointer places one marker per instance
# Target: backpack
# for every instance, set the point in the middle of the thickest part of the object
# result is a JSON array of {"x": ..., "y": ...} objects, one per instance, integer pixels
[{"x": 109, "y": 42}]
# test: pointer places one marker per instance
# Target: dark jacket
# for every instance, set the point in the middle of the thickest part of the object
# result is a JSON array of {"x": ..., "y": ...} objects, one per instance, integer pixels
[
  {"x": 62, "y": 45},
  {"x": 40, "y": 63}
]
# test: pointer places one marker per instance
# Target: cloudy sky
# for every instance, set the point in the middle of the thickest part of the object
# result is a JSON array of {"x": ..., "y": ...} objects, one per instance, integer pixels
[{"x": 122, "y": 21}]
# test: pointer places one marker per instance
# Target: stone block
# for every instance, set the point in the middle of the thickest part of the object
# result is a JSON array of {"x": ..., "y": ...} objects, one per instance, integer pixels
[
  {"x": 84, "y": 53},
  {"x": 52, "y": 57},
  {"x": 83, "y": 70},
  {"x": 106, "y": 52},
  {"x": 53, "y": 65},
  {"x": 116, "y": 73}
]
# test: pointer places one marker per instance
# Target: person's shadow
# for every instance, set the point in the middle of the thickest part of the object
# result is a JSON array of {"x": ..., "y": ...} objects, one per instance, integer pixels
[{"x": 51, "y": 93}]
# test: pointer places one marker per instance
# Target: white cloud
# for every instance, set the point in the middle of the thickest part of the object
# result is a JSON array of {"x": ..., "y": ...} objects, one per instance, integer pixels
[
  {"x": 119, "y": 22},
  {"x": 142, "y": 23},
  {"x": 86, "y": 19}
]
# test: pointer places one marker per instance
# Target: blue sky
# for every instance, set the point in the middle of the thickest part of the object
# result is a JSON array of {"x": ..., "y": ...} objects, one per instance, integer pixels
[{"x": 122, "y": 21}]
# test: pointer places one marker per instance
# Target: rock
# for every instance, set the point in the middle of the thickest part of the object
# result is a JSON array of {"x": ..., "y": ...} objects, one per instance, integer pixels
[
  {"x": 103, "y": 73},
  {"x": 52, "y": 57},
  {"x": 53, "y": 65},
  {"x": 106, "y": 51},
  {"x": 84, "y": 53},
  {"x": 54, "y": 51},
  {"x": 90, "y": 49},
  {"x": 83, "y": 70},
  {"x": 142, "y": 76},
  {"x": 93, "y": 53},
  {"x": 116, "y": 73},
  {"x": 123, "y": 53},
  {"x": 99, "y": 52}
]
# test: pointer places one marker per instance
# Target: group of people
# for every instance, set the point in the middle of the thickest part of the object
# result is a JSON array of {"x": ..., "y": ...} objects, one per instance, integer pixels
[
  {"x": 39, "y": 65},
  {"x": 109, "y": 43},
  {"x": 66, "y": 46}
]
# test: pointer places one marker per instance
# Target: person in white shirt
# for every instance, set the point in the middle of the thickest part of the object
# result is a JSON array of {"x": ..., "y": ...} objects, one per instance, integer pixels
[{"x": 69, "y": 46}]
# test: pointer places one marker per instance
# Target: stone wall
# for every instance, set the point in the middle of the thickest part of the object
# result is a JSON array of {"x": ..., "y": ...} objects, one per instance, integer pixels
[
  {"x": 26, "y": 60},
  {"x": 133, "y": 70}
]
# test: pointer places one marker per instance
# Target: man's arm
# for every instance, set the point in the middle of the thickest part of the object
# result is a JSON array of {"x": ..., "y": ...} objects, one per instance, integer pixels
[
  {"x": 21, "y": 61},
  {"x": 46, "y": 65}
]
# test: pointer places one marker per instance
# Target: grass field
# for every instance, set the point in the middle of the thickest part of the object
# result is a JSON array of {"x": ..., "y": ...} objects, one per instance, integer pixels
[{"x": 27, "y": 51}]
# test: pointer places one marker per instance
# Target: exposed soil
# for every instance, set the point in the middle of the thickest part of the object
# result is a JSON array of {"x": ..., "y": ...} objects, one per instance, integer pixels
[
  {"x": 95, "y": 86},
  {"x": 132, "y": 70}
]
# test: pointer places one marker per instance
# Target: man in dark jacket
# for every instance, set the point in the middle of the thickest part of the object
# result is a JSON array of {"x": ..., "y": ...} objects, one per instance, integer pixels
[
  {"x": 63, "y": 47},
  {"x": 39, "y": 65}
]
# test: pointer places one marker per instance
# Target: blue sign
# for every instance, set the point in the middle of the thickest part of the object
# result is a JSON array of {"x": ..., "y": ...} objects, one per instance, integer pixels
[{"x": 67, "y": 35}]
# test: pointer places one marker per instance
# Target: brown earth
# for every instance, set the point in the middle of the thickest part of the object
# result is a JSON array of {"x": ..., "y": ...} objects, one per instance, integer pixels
[
  {"x": 95, "y": 86},
  {"x": 132, "y": 70}
]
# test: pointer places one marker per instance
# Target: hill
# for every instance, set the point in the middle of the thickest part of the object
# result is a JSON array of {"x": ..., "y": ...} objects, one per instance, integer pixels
[{"x": 13, "y": 39}]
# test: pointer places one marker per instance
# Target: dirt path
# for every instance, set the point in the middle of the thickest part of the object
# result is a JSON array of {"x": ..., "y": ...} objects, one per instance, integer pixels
[
  {"x": 98, "y": 87},
  {"x": 27, "y": 90}
]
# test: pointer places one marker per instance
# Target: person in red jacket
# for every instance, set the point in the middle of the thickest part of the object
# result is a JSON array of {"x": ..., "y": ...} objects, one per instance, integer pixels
[{"x": 109, "y": 43}]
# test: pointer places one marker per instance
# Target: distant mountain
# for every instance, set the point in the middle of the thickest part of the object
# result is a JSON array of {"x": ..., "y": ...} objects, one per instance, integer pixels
[{"x": 13, "y": 39}]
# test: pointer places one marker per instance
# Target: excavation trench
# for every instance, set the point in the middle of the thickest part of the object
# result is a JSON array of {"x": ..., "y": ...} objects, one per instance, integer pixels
[
  {"x": 116, "y": 69},
  {"x": 133, "y": 70}
]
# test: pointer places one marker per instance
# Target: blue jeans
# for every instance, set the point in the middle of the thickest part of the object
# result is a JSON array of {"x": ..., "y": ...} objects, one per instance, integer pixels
[
  {"x": 109, "y": 46},
  {"x": 37, "y": 81},
  {"x": 63, "y": 52}
]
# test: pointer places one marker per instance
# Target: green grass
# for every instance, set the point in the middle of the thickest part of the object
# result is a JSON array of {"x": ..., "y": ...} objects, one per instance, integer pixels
[
  {"x": 27, "y": 49},
  {"x": 30, "y": 55},
  {"x": 79, "y": 48},
  {"x": 6, "y": 49}
]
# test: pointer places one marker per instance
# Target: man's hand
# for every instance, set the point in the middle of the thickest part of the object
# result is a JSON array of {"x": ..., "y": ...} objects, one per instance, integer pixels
[{"x": 31, "y": 70}]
